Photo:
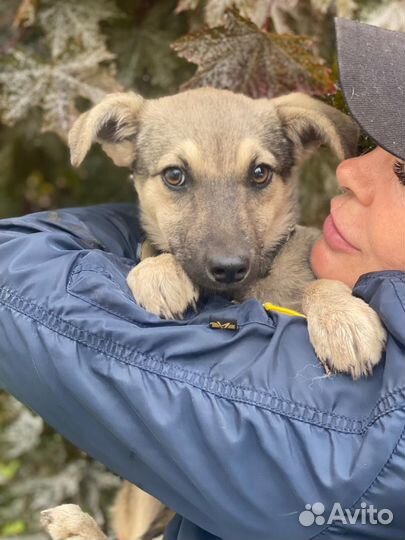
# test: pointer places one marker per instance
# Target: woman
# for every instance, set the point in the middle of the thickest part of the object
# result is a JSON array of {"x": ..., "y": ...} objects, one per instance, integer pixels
[
  {"x": 370, "y": 215},
  {"x": 239, "y": 432}
]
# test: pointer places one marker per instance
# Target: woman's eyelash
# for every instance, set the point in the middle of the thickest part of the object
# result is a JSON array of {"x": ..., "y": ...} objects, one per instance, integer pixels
[{"x": 399, "y": 170}]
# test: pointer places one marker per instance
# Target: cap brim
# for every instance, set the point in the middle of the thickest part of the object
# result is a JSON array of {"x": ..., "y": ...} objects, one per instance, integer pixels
[{"x": 372, "y": 78}]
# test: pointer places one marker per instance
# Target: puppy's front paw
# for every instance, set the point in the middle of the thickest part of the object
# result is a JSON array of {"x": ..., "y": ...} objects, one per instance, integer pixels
[
  {"x": 68, "y": 521},
  {"x": 346, "y": 333},
  {"x": 161, "y": 286}
]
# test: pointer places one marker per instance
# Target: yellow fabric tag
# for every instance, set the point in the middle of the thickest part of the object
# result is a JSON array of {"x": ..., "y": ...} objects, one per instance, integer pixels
[{"x": 279, "y": 309}]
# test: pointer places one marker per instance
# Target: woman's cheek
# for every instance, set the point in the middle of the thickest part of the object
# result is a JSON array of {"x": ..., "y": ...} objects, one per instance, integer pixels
[{"x": 387, "y": 241}]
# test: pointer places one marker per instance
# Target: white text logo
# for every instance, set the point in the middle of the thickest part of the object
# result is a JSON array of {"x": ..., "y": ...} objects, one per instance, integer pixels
[{"x": 314, "y": 513}]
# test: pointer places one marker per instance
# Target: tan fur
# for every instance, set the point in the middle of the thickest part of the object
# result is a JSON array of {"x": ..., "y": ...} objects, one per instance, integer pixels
[
  {"x": 159, "y": 209},
  {"x": 162, "y": 287},
  {"x": 67, "y": 521},
  {"x": 135, "y": 515},
  {"x": 189, "y": 150},
  {"x": 333, "y": 311},
  {"x": 147, "y": 250},
  {"x": 245, "y": 150},
  {"x": 133, "y": 512},
  {"x": 298, "y": 109},
  {"x": 120, "y": 107},
  {"x": 284, "y": 285},
  {"x": 217, "y": 135}
]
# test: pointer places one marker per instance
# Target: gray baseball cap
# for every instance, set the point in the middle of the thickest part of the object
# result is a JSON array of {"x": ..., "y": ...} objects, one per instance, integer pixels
[{"x": 372, "y": 78}]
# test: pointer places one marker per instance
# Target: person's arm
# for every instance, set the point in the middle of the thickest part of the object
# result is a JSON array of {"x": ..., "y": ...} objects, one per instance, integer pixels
[{"x": 236, "y": 431}]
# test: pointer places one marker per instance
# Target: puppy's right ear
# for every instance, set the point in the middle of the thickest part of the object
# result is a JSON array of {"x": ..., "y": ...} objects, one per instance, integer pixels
[{"x": 112, "y": 123}]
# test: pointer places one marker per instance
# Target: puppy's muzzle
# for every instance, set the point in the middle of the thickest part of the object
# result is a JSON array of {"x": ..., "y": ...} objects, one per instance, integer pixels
[{"x": 228, "y": 270}]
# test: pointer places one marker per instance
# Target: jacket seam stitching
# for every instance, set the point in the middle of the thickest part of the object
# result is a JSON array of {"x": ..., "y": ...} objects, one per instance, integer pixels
[
  {"x": 203, "y": 382},
  {"x": 368, "y": 420},
  {"x": 132, "y": 321},
  {"x": 70, "y": 289}
]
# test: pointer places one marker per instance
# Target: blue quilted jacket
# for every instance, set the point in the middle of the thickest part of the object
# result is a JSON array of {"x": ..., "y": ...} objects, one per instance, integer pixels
[{"x": 238, "y": 431}]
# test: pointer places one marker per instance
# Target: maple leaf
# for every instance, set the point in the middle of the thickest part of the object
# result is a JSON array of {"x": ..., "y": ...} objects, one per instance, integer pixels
[
  {"x": 257, "y": 11},
  {"x": 343, "y": 8},
  {"x": 144, "y": 57},
  {"x": 186, "y": 5},
  {"x": 28, "y": 82},
  {"x": 390, "y": 16},
  {"x": 8, "y": 12},
  {"x": 75, "y": 24},
  {"x": 242, "y": 58},
  {"x": 26, "y": 14},
  {"x": 215, "y": 11}
]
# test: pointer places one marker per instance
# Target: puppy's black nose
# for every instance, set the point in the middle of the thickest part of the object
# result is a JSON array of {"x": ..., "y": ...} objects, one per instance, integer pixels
[{"x": 228, "y": 269}]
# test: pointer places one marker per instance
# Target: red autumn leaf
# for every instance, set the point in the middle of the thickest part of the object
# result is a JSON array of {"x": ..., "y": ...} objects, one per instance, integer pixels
[{"x": 240, "y": 57}]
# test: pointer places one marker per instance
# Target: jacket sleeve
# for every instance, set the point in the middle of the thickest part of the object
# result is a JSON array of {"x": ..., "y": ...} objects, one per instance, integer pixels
[{"x": 235, "y": 430}]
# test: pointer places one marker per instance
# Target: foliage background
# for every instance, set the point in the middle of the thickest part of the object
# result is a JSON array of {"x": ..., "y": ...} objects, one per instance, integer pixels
[{"x": 57, "y": 57}]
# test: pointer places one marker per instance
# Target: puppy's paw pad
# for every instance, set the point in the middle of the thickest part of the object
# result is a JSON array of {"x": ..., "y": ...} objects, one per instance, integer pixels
[
  {"x": 346, "y": 333},
  {"x": 69, "y": 521},
  {"x": 161, "y": 286},
  {"x": 348, "y": 345}
]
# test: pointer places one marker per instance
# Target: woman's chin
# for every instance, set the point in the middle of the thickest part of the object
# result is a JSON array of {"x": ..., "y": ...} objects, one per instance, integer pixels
[
  {"x": 328, "y": 264},
  {"x": 317, "y": 259}
]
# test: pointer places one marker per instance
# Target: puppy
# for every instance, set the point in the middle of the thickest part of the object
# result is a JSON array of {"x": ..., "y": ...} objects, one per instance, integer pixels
[{"x": 216, "y": 178}]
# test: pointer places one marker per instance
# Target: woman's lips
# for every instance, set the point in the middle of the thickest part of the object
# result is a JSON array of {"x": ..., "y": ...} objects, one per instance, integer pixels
[{"x": 334, "y": 239}]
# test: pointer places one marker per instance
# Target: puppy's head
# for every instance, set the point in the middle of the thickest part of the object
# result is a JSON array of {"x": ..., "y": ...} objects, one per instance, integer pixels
[{"x": 214, "y": 171}]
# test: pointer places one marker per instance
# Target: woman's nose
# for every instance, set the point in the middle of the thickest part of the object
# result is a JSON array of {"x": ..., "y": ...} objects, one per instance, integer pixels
[{"x": 358, "y": 176}]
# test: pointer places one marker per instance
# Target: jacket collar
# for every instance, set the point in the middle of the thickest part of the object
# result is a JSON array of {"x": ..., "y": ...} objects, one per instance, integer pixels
[{"x": 385, "y": 292}]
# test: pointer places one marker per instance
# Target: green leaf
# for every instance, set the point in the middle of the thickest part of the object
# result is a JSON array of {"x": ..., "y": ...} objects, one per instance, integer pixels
[
  {"x": 8, "y": 470},
  {"x": 13, "y": 528}
]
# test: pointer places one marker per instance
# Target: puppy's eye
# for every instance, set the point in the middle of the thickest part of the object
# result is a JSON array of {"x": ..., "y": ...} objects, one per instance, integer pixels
[
  {"x": 173, "y": 177},
  {"x": 262, "y": 175}
]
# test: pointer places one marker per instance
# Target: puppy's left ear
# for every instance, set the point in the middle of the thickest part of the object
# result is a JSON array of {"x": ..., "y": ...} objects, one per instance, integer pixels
[
  {"x": 113, "y": 123},
  {"x": 309, "y": 123}
]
